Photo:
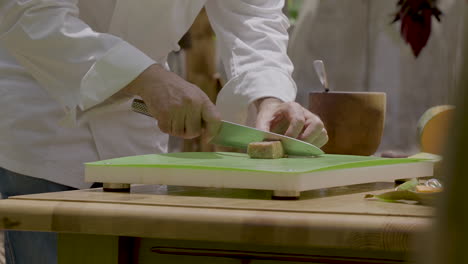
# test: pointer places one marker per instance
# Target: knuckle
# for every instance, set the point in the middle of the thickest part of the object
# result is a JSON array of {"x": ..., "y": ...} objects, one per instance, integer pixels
[
  {"x": 325, "y": 140},
  {"x": 324, "y": 131},
  {"x": 323, "y": 137},
  {"x": 321, "y": 126},
  {"x": 299, "y": 121}
]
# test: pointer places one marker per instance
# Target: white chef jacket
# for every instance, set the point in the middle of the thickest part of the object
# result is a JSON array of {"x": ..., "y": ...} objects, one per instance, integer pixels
[{"x": 66, "y": 59}]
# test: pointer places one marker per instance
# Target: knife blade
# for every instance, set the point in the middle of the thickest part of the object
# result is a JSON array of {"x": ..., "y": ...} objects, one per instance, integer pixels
[{"x": 239, "y": 136}]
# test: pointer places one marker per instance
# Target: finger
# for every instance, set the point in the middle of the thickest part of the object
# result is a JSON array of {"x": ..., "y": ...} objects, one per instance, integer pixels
[
  {"x": 321, "y": 139},
  {"x": 296, "y": 119},
  {"x": 211, "y": 119},
  {"x": 279, "y": 125},
  {"x": 272, "y": 122},
  {"x": 164, "y": 122},
  {"x": 263, "y": 121},
  {"x": 313, "y": 127},
  {"x": 268, "y": 115},
  {"x": 165, "y": 125},
  {"x": 266, "y": 120},
  {"x": 193, "y": 121},
  {"x": 178, "y": 124},
  {"x": 163, "y": 119}
]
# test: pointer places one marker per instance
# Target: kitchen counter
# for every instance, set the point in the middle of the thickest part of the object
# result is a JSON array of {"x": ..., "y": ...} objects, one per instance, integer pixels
[{"x": 199, "y": 225}]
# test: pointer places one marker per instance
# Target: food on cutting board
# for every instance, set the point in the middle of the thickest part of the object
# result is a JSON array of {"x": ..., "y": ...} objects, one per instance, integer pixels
[
  {"x": 265, "y": 150},
  {"x": 433, "y": 127}
]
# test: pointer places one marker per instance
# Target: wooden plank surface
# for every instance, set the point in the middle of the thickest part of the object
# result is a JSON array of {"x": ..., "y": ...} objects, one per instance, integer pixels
[
  {"x": 338, "y": 217},
  {"x": 391, "y": 233},
  {"x": 340, "y": 200}
]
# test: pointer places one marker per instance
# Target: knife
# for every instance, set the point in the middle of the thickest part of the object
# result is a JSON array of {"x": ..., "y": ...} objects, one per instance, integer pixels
[{"x": 239, "y": 136}]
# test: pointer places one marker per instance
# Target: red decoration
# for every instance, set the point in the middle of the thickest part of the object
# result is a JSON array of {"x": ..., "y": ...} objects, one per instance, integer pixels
[{"x": 416, "y": 20}]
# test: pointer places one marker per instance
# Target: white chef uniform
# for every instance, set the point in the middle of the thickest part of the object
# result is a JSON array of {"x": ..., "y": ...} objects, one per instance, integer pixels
[{"x": 62, "y": 60}]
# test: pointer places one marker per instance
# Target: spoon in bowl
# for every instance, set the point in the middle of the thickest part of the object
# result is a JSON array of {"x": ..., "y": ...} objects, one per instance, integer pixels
[{"x": 322, "y": 74}]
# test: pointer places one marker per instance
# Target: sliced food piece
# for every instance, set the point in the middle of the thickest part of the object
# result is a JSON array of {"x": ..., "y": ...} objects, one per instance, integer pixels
[{"x": 265, "y": 150}]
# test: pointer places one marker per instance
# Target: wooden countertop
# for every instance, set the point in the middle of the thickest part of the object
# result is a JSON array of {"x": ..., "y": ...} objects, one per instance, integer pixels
[{"x": 337, "y": 217}]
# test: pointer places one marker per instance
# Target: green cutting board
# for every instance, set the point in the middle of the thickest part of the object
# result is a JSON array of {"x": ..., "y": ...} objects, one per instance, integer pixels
[
  {"x": 241, "y": 162},
  {"x": 286, "y": 177}
]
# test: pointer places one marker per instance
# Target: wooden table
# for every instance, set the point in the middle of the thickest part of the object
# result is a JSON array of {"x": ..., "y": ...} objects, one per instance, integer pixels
[{"x": 206, "y": 225}]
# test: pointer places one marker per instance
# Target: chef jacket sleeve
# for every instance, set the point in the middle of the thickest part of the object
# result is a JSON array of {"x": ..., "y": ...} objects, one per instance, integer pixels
[
  {"x": 253, "y": 40},
  {"x": 78, "y": 66}
]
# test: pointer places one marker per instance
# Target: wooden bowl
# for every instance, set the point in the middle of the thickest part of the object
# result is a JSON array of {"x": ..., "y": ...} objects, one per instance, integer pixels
[{"x": 354, "y": 120}]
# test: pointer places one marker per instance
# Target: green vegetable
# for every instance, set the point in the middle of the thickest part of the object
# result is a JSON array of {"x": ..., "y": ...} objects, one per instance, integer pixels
[
  {"x": 406, "y": 192},
  {"x": 409, "y": 185}
]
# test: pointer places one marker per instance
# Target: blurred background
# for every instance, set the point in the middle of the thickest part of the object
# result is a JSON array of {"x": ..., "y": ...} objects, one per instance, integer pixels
[{"x": 362, "y": 51}]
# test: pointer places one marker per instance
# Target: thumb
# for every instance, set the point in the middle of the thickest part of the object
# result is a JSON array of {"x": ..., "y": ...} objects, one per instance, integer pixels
[{"x": 211, "y": 119}]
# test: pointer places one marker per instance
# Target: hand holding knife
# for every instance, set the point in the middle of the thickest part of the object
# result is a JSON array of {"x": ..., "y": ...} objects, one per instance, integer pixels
[{"x": 239, "y": 136}]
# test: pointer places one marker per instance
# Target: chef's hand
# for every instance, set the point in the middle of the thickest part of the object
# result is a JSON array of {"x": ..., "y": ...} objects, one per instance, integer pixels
[
  {"x": 290, "y": 119},
  {"x": 181, "y": 108}
]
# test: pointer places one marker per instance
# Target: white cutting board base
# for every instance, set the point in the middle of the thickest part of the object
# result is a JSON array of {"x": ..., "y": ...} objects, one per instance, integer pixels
[{"x": 283, "y": 184}]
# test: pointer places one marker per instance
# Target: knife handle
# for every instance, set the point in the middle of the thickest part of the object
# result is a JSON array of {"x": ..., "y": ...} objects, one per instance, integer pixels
[{"x": 140, "y": 107}]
